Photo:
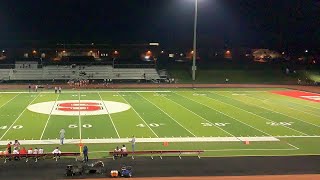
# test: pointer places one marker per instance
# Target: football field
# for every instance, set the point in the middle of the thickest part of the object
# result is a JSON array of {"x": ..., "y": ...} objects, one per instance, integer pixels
[{"x": 219, "y": 121}]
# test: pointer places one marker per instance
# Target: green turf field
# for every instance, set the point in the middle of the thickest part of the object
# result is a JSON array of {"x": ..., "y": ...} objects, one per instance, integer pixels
[{"x": 215, "y": 120}]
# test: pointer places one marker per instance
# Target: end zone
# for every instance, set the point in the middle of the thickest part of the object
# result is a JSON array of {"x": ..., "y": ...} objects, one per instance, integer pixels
[{"x": 300, "y": 95}]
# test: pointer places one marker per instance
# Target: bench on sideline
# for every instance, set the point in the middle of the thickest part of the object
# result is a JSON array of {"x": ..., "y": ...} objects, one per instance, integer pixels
[
  {"x": 37, "y": 156},
  {"x": 160, "y": 153}
]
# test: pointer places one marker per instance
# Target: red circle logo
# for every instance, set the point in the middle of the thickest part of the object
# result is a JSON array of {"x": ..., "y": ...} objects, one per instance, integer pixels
[{"x": 80, "y": 106}]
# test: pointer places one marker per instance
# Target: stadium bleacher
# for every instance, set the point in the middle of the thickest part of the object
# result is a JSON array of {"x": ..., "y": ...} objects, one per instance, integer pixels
[{"x": 79, "y": 72}]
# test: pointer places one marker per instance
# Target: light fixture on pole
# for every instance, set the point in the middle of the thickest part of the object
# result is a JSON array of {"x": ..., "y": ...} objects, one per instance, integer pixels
[{"x": 194, "y": 67}]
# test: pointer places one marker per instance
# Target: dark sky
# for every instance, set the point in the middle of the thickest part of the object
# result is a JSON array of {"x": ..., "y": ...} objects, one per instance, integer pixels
[{"x": 233, "y": 23}]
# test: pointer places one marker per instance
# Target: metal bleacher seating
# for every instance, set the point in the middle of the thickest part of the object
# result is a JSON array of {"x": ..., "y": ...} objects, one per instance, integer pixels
[{"x": 79, "y": 72}]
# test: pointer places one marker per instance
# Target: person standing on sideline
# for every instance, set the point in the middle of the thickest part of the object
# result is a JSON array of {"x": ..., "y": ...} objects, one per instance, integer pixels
[
  {"x": 133, "y": 143},
  {"x": 60, "y": 90},
  {"x": 29, "y": 87},
  {"x": 85, "y": 154},
  {"x": 62, "y": 132},
  {"x": 55, "y": 89}
]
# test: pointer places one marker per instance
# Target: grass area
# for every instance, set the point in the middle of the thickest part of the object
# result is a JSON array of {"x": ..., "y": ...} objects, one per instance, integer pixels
[
  {"x": 235, "y": 76},
  {"x": 99, "y": 116}
]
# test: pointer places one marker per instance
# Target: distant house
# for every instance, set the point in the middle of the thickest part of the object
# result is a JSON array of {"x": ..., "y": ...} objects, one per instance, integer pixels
[{"x": 262, "y": 55}]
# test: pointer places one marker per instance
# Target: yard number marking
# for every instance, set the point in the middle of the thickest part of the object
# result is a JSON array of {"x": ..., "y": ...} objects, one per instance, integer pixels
[
  {"x": 151, "y": 125},
  {"x": 215, "y": 124},
  {"x": 72, "y": 126},
  {"x": 280, "y": 123},
  {"x": 14, "y": 127}
]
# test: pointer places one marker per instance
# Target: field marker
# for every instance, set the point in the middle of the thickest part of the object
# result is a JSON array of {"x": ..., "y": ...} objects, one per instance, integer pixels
[
  {"x": 167, "y": 115},
  {"x": 49, "y": 117},
  {"x": 19, "y": 116},
  {"x": 252, "y": 112},
  {"x": 138, "y": 115},
  {"x": 201, "y": 117},
  {"x": 285, "y": 114},
  {"x": 226, "y": 115},
  {"x": 114, "y": 126},
  {"x": 9, "y": 101}
]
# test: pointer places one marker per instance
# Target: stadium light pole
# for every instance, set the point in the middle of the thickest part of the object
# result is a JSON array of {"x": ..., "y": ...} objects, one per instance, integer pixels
[{"x": 194, "y": 67}]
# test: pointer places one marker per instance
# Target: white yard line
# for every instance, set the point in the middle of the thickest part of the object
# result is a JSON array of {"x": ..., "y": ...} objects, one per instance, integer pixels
[
  {"x": 168, "y": 115},
  {"x": 80, "y": 128},
  {"x": 226, "y": 115},
  {"x": 19, "y": 116},
  {"x": 149, "y": 140},
  {"x": 138, "y": 115},
  {"x": 269, "y": 120},
  {"x": 295, "y": 147},
  {"x": 200, "y": 117},
  {"x": 282, "y": 113},
  {"x": 109, "y": 115},
  {"x": 10, "y": 100},
  {"x": 45, "y": 127}
]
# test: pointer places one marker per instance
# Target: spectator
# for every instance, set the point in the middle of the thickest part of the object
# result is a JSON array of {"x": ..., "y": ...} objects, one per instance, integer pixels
[
  {"x": 41, "y": 151},
  {"x": 30, "y": 151},
  {"x": 23, "y": 151},
  {"x": 124, "y": 151},
  {"x": 133, "y": 143},
  {"x": 85, "y": 154},
  {"x": 35, "y": 151},
  {"x": 62, "y": 133},
  {"x": 16, "y": 144},
  {"x": 56, "y": 152},
  {"x": 16, "y": 152},
  {"x": 9, "y": 148},
  {"x": 116, "y": 152}
]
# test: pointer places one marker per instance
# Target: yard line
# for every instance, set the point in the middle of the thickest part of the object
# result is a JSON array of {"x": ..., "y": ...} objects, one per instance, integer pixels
[
  {"x": 226, "y": 115},
  {"x": 9, "y": 100},
  {"x": 19, "y": 116},
  {"x": 80, "y": 129},
  {"x": 45, "y": 127},
  {"x": 138, "y": 114},
  {"x": 168, "y": 115},
  {"x": 281, "y": 113},
  {"x": 109, "y": 115},
  {"x": 201, "y": 117},
  {"x": 293, "y": 146},
  {"x": 251, "y": 112}
]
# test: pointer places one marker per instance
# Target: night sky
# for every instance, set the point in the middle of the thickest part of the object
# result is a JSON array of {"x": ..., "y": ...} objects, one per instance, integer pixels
[{"x": 222, "y": 23}]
